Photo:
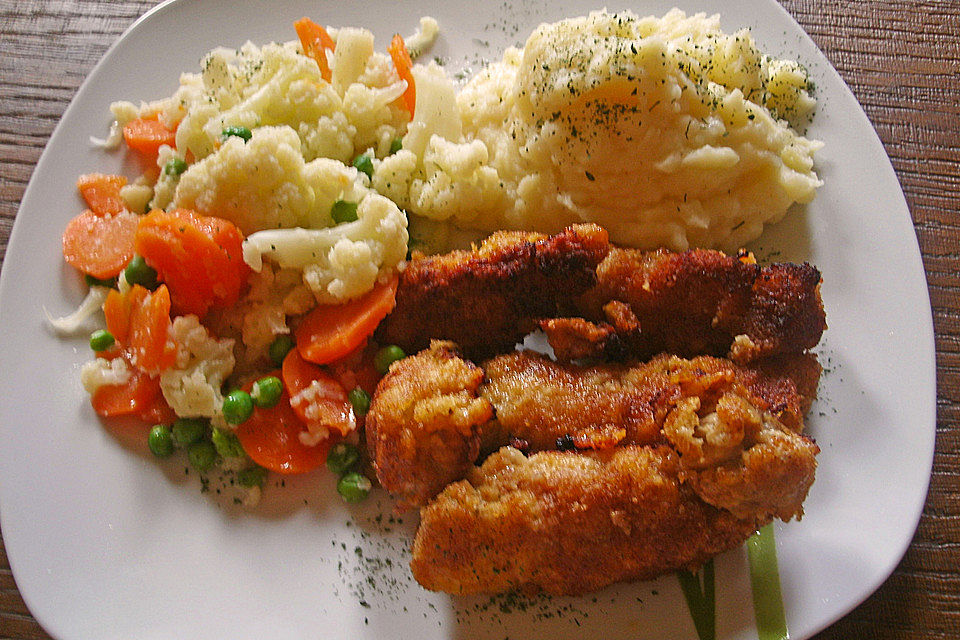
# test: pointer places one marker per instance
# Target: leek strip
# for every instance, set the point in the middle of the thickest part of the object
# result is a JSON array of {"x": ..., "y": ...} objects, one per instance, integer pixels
[
  {"x": 765, "y": 582},
  {"x": 701, "y": 600}
]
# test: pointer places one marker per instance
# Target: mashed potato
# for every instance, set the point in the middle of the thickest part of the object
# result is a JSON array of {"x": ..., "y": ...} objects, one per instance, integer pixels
[{"x": 666, "y": 131}]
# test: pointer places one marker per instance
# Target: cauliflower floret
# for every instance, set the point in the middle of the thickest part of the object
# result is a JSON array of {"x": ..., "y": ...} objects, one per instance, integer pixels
[
  {"x": 192, "y": 385},
  {"x": 164, "y": 189},
  {"x": 424, "y": 37},
  {"x": 100, "y": 372},
  {"x": 342, "y": 262},
  {"x": 459, "y": 183},
  {"x": 265, "y": 183},
  {"x": 137, "y": 195},
  {"x": 394, "y": 174}
]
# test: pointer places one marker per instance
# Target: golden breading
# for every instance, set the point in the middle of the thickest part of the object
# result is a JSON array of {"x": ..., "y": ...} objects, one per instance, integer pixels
[
  {"x": 741, "y": 459},
  {"x": 422, "y": 425},
  {"x": 539, "y": 402},
  {"x": 568, "y": 523},
  {"x": 694, "y": 303},
  {"x": 488, "y": 299}
]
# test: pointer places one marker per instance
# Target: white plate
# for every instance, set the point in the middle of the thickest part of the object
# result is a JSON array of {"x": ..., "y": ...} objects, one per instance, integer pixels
[{"x": 106, "y": 543}]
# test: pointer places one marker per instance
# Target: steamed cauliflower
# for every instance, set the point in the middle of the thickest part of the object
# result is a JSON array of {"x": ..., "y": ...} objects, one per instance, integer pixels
[
  {"x": 192, "y": 386},
  {"x": 101, "y": 372},
  {"x": 276, "y": 85},
  {"x": 341, "y": 262},
  {"x": 266, "y": 183}
]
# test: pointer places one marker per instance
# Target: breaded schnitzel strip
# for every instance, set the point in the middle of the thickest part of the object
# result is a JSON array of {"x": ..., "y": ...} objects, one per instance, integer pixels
[
  {"x": 488, "y": 299},
  {"x": 568, "y": 523},
  {"x": 540, "y": 402},
  {"x": 692, "y": 303},
  {"x": 422, "y": 425}
]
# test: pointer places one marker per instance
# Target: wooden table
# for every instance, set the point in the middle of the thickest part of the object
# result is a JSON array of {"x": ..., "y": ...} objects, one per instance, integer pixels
[{"x": 902, "y": 60}]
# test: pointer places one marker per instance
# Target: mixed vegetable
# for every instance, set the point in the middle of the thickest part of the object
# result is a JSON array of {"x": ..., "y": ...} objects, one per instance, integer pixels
[{"x": 167, "y": 282}]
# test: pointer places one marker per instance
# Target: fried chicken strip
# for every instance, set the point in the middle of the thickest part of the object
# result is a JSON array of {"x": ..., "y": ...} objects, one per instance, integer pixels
[
  {"x": 568, "y": 523},
  {"x": 546, "y": 404},
  {"x": 431, "y": 417},
  {"x": 423, "y": 421},
  {"x": 488, "y": 299},
  {"x": 692, "y": 303},
  {"x": 702, "y": 460}
]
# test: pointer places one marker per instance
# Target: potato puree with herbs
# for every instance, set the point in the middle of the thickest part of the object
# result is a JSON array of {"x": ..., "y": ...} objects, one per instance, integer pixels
[{"x": 665, "y": 131}]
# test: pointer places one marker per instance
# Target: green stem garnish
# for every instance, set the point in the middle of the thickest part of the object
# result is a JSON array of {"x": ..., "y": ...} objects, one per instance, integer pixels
[
  {"x": 765, "y": 582},
  {"x": 701, "y": 600}
]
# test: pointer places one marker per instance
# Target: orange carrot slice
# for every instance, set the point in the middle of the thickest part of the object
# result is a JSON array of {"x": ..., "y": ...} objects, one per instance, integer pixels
[
  {"x": 102, "y": 193},
  {"x": 116, "y": 309},
  {"x": 329, "y": 332},
  {"x": 158, "y": 411},
  {"x": 271, "y": 437},
  {"x": 100, "y": 245},
  {"x": 146, "y": 135},
  {"x": 316, "y": 397},
  {"x": 147, "y": 342},
  {"x": 135, "y": 396},
  {"x": 315, "y": 42},
  {"x": 401, "y": 60},
  {"x": 200, "y": 258}
]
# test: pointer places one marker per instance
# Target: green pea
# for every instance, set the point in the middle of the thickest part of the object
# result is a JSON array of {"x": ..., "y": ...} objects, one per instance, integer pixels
[
  {"x": 387, "y": 356},
  {"x": 354, "y": 487},
  {"x": 266, "y": 392},
  {"x": 226, "y": 444},
  {"x": 360, "y": 400},
  {"x": 364, "y": 163},
  {"x": 174, "y": 167},
  {"x": 202, "y": 455},
  {"x": 110, "y": 283},
  {"x": 343, "y": 211},
  {"x": 187, "y": 431},
  {"x": 139, "y": 272},
  {"x": 237, "y": 407},
  {"x": 395, "y": 145},
  {"x": 342, "y": 458},
  {"x": 101, "y": 340},
  {"x": 279, "y": 348},
  {"x": 160, "y": 440},
  {"x": 240, "y": 132},
  {"x": 252, "y": 477}
]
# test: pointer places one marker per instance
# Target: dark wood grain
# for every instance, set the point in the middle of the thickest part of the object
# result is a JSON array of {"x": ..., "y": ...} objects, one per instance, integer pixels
[{"x": 902, "y": 60}]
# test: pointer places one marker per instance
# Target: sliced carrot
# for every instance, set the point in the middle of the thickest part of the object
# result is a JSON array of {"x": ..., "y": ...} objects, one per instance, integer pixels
[
  {"x": 102, "y": 193},
  {"x": 316, "y": 397},
  {"x": 329, "y": 332},
  {"x": 315, "y": 42},
  {"x": 200, "y": 258},
  {"x": 158, "y": 412},
  {"x": 404, "y": 64},
  {"x": 271, "y": 437},
  {"x": 116, "y": 309},
  {"x": 135, "y": 396},
  {"x": 100, "y": 245},
  {"x": 147, "y": 135},
  {"x": 148, "y": 343}
]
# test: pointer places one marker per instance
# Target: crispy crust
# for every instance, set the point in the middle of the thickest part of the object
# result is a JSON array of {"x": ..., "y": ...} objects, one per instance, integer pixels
[
  {"x": 692, "y": 303},
  {"x": 568, "y": 523},
  {"x": 422, "y": 426},
  {"x": 539, "y": 401},
  {"x": 672, "y": 462},
  {"x": 488, "y": 299}
]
